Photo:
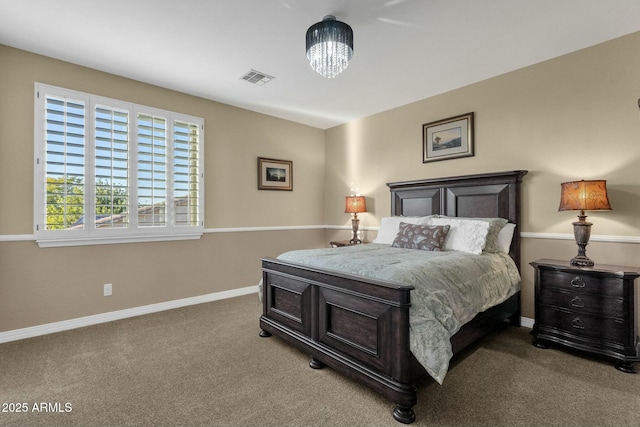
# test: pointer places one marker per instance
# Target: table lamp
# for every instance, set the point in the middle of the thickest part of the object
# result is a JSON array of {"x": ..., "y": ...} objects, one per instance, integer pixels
[
  {"x": 355, "y": 205},
  {"x": 583, "y": 196}
]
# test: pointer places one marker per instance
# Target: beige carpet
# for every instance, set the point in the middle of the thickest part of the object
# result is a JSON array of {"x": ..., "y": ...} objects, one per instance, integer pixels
[{"x": 205, "y": 365}]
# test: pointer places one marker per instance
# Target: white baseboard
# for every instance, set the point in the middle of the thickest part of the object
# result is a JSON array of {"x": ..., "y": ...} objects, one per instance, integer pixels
[
  {"x": 527, "y": 322},
  {"x": 49, "y": 328},
  {"x": 65, "y": 325}
]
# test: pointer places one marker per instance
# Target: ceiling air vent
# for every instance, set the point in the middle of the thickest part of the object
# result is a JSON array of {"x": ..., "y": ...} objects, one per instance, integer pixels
[{"x": 257, "y": 78}]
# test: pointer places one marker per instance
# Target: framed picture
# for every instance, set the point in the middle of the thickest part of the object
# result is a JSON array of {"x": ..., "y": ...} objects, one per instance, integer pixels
[
  {"x": 448, "y": 139},
  {"x": 275, "y": 174}
]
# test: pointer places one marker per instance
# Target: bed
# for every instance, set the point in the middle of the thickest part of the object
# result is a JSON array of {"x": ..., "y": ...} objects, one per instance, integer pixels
[{"x": 360, "y": 325}]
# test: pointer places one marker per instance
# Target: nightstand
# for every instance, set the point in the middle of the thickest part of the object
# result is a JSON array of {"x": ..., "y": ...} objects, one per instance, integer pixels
[{"x": 587, "y": 308}]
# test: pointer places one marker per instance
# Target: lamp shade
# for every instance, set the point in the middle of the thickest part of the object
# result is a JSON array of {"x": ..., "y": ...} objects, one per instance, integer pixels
[
  {"x": 584, "y": 196},
  {"x": 329, "y": 46},
  {"x": 355, "y": 204}
]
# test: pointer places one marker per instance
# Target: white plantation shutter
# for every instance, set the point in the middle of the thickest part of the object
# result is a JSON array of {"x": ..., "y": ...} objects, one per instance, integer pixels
[
  {"x": 64, "y": 162},
  {"x": 111, "y": 167},
  {"x": 186, "y": 172},
  {"x": 152, "y": 171},
  {"x": 125, "y": 173}
]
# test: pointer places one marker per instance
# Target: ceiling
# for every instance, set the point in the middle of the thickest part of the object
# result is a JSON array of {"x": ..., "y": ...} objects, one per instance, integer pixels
[{"x": 404, "y": 50}]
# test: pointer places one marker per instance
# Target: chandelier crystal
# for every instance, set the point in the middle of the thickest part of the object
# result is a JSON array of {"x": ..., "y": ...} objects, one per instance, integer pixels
[{"x": 329, "y": 46}]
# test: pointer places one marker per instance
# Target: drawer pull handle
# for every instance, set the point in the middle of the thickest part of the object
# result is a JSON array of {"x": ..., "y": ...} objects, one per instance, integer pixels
[
  {"x": 577, "y": 323},
  {"x": 577, "y": 302},
  {"x": 578, "y": 282}
]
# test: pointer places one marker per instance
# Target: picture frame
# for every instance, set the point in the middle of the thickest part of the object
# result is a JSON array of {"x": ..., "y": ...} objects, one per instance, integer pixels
[
  {"x": 450, "y": 138},
  {"x": 274, "y": 174}
]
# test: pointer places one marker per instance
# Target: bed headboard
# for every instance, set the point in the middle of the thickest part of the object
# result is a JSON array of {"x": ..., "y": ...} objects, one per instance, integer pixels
[{"x": 488, "y": 195}]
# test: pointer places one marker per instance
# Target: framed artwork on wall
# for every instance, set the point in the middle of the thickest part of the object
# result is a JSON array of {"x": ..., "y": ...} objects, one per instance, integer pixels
[
  {"x": 275, "y": 174},
  {"x": 450, "y": 138}
]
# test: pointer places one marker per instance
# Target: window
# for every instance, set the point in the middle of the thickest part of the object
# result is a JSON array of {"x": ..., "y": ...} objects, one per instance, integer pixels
[{"x": 108, "y": 171}]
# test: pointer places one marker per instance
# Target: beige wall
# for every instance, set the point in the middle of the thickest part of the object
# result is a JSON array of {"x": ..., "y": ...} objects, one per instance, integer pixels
[
  {"x": 234, "y": 138},
  {"x": 573, "y": 117},
  {"x": 40, "y": 286}
]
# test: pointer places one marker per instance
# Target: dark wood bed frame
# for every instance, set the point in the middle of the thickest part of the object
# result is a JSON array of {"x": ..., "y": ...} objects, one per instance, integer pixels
[{"x": 359, "y": 326}]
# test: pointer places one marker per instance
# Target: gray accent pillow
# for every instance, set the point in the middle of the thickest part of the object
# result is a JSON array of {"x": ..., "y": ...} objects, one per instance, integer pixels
[{"x": 423, "y": 237}]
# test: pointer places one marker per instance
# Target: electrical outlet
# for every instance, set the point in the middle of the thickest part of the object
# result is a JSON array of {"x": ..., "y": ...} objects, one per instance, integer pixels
[{"x": 107, "y": 289}]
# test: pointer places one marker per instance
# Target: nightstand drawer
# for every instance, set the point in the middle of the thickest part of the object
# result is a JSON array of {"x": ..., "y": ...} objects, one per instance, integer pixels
[
  {"x": 605, "y": 329},
  {"x": 584, "y": 303},
  {"x": 581, "y": 282}
]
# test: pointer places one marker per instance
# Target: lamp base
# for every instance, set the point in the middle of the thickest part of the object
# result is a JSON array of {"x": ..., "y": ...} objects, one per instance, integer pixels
[
  {"x": 582, "y": 261},
  {"x": 582, "y": 233},
  {"x": 355, "y": 222}
]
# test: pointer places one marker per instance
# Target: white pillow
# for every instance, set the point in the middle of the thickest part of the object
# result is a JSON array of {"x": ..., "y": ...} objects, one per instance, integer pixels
[
  {"x": 495, "y": 225},
  {"x": 465, "y": 235},
  {"x": 505, "y": 237},
  {"x": 390, "y": 225}
]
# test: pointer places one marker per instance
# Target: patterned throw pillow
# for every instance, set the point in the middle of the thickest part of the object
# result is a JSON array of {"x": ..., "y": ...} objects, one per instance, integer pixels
[{"x": 423, "y": 237}]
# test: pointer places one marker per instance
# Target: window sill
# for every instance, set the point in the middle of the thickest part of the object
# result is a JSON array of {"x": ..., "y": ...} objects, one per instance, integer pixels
[{"x": 54, "y": 243}]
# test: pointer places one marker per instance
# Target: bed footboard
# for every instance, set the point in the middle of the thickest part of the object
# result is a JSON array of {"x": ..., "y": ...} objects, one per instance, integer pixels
[{"x": 357, "y": 326}]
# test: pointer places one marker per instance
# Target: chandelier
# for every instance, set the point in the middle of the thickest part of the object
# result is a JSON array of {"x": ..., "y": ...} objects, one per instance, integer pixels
[{"x": 329, "y": 46}]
